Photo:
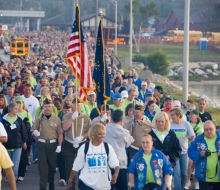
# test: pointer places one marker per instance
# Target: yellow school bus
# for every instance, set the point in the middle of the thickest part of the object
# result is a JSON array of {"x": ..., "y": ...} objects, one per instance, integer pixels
[
  {"x": 212, "y": 36},
  {"x": 19, "y": 47},
  {"x": 178, "y": 36}
]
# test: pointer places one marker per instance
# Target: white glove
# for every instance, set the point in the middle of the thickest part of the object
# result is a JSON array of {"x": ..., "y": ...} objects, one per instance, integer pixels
[
  {"x": 75, "y": 115},
  {"x": 58, "y": 150},
  {"x": 132, "y": 139},
  {"x": 77, "y": 140},
  {"x": 36, "y": 133},
  {"x": 104, "y": 117}
]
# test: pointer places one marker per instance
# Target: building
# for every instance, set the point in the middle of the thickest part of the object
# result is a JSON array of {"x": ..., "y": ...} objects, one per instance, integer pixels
[{"x": 175, "y": 21}]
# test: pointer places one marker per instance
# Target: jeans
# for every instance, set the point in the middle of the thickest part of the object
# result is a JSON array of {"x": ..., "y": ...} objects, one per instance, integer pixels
[
  {"x": 122, "y": 181},
  {"x": 34, "y": 150},
  {"x": 209, "y": 185},
  {"x": 83, "y": 186},
  {"x": 180, "y": 172},
  {"x": 15, "y": 156}
]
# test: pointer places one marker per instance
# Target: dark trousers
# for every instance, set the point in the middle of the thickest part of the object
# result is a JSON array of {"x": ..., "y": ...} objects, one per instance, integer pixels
[
  {"x": 69, "y": 154},
  {"x": 131, "y": 153},
  {"x": 47, "y": 163},
  {"x": 61, "y": 166},
  {"x": 122, "y": 181},
  {"x": 23, "y": 163},
  {"x": 209, "y": 185},
  {"x": 83, "y": 186}
]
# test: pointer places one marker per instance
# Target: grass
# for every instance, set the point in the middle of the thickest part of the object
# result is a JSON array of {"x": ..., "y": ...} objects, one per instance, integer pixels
[
  {"x": 177, "y": 94},
  {"x": 174, "y": 53}
]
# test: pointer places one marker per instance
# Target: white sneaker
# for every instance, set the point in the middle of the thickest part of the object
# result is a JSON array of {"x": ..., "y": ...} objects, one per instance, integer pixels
[
  {"x": 21, "y": 179},
  {"x": 62, "y": 182},
  {"x": 188, "y": 183},
  {"x": 196, "y": 185},
  {"x": 35, "y": 161}
]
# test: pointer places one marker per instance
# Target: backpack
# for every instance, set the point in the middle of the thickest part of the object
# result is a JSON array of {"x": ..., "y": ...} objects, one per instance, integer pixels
[{"x": 87, "y": 148}]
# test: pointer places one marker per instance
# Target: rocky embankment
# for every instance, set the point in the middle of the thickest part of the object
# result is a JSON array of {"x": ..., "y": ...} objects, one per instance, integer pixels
[{"x": 205, "y": 69}]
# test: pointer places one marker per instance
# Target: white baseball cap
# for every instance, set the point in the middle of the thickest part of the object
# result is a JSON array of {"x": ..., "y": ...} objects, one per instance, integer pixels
[{"x": 143, "y": 83}]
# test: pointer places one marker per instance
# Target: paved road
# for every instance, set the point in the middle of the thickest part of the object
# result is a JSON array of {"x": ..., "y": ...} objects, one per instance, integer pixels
[
  {"x": 31, "y": 180},
  {"x": 5, "y": 58}
]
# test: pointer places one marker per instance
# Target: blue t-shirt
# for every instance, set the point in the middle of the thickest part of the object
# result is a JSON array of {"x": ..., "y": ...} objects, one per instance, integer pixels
[{"x": 149, "y": 115}]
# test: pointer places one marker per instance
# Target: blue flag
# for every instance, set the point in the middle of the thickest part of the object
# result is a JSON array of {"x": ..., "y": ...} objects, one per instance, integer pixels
[{"x": 100, "y": 73}]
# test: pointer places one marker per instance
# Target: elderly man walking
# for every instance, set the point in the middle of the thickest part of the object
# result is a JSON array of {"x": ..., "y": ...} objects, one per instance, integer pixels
[{"x": 205, "y": 151}]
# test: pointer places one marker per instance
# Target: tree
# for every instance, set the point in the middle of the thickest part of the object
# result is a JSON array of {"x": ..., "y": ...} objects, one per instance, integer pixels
[
  {"x": 157, "y": 62},
  {"x": 208, "y": 12},
  {"x": 141, "y": 16}
]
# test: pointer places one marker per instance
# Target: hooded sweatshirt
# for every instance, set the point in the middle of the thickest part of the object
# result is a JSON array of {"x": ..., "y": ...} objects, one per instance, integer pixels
[{"x": 119, "y": 138}]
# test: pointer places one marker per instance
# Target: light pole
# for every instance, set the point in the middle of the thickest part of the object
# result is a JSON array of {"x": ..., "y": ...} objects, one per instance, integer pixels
[
  {"x": 114, "y": 2},
  {"x": 131, "y": 29},
  {"x": 186, "y": 52},
  {"x": 21, "y": 21},
  {"x": 96, "y": 17},
  {"x": 39, "y": 8}
]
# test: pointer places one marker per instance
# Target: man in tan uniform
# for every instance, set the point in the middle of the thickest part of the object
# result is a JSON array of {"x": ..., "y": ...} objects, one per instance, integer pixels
[
  {"x": 76, "y": 126},
  {"x": 138, "y": 128},
  {"x": 48, "y": 129}
]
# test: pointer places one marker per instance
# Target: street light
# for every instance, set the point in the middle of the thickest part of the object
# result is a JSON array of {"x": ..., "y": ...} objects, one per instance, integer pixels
[
  {"x": 115, "y": 3},
  {"x": 186, "y": 52},
  {"x": 39, "y": 7},
  {"x": 131, "y": 30}
]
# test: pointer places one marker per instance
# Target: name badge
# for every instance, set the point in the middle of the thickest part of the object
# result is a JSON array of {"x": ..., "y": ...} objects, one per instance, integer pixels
[{"x": 13, "y": 126}]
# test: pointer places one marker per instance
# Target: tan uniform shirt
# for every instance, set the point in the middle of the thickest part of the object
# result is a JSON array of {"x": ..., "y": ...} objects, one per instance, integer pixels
[
  {"x": 49, "y": 128},
  {"x": 138, "y": 132},
  {"x": 82, "y": 121}
]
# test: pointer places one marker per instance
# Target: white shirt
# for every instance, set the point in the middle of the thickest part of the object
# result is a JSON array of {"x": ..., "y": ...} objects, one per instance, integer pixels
[
  {"x": 95, "y": 170},
  {"x": 151, "y": 87},
  {"x": 3, "y": 132},
  {"x": 31, "y": 104}
]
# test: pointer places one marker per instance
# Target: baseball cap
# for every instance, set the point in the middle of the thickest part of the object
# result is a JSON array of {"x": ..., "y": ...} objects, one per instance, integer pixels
[
  {"x": 124, "y": 94},
  {"x": 143, "y": 83},
  {"x": 28, "y": 71},
  {"x": 91, "y": 93},
  {"x": 169, "y": 97},
  {"x": 116, "y": 96},
  {"x": 149, "y": 93},
  {"x": 125, "y": 80},
  {"x": 19, "y": 99},
  {"x": 54, "y": 94},
  {"x": 176, "y": 103},
  {"x": 194, "y": 112},
  {"x": 159, "y": 88},
  {"x": 44, "y": 71}
]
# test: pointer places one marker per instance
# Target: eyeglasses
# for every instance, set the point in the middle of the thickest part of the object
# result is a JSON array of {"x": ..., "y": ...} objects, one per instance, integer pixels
[{"x": 208, "y": 129}]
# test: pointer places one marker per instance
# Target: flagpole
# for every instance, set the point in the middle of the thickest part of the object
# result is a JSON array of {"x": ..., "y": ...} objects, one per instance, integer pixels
[{"x": 76, "y": 102}]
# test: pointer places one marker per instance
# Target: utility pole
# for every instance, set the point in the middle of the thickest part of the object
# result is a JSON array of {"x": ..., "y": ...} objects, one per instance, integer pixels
[
  {"x": 131, "y": 30},
  {"x": 186, "y": 52},
  {"x": 74, "y": 8},
  {"x": 96, "y": 17},
  {"x": 116, "y": 27},
  {"x": 21, "y": 19}
]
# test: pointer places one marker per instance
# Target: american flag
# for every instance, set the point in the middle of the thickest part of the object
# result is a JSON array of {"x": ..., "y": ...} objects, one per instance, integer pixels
[{"x": 77, "y": 58}]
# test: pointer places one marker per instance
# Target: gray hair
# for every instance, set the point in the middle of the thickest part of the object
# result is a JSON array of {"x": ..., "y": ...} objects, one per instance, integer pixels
[{"x": 11, "y": 106}]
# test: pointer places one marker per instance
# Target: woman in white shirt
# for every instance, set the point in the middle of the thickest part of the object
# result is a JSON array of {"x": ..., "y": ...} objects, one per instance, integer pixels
[
  {"x": 3, "y": 134},
  {"x": 93, "y": 161}
]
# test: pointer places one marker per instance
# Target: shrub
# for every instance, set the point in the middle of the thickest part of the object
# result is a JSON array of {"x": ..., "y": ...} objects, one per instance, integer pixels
[
  {"x": 157, "y": 62},
  {"x": 140, "y": 59}
]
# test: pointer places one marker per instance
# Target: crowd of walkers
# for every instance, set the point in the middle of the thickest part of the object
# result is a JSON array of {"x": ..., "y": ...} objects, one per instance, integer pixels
[{"x": 143, "y": 138}]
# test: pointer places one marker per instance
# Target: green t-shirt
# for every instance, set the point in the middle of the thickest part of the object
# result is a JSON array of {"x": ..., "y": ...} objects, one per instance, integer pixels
[
  {"x": 122, "y": 108},
  {"x": 126, "y": 102},
  {"x": 11, "y": 119},
  {"x": 161, "y": 135},
  {"x": 212, "y": 161},
  {"x": 90, "y": 106},
  {"x": 149, "y": 174},
  {"x": 33, "y": 82},
  {"x": 85, "y": 109},
  {"x": 198, "y": 128},
  {"x": 24, "y": 114}
]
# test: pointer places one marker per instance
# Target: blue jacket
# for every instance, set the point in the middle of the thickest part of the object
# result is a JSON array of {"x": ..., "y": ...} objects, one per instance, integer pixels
[
  {"x": 140, "y": 96},
  {"x": 160, "y": 166},
  {"x": 138, "y": 83},
  {"x": 194, "y": 150}
]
